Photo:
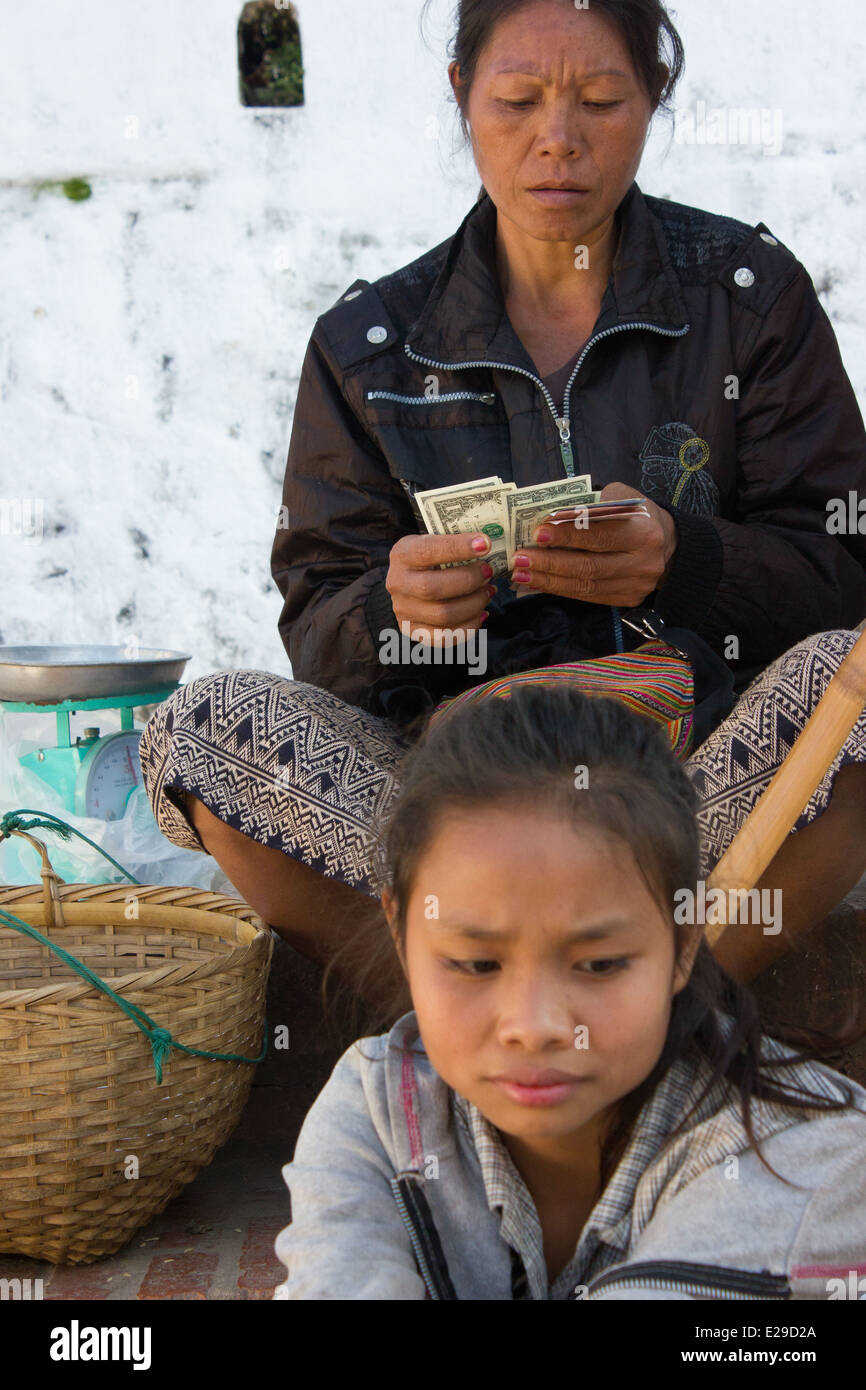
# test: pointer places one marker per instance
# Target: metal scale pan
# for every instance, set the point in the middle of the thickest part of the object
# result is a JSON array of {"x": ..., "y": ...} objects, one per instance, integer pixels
[
  {"x": 96, "y": 774},
  {"x": 50, "y": 675}
]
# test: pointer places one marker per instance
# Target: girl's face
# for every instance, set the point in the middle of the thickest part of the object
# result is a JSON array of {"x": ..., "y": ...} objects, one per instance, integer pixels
[
  {"x": 540, "y": 968},
  {"x": 555, "y": 96}
]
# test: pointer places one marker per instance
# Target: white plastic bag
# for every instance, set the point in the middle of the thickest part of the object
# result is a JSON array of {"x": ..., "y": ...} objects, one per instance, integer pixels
[{"x": 135, "y": 840}]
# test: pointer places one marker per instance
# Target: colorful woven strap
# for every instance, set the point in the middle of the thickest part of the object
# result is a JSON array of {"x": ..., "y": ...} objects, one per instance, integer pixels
[{"x": 652, "y": 680}]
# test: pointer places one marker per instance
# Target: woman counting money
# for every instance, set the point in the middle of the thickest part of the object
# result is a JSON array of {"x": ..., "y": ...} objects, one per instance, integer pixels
[{"x": 572, "y": 328}]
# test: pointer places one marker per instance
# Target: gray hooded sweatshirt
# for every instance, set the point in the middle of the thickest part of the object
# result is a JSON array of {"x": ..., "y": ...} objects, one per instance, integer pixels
[{"x": 399, "y": 1192}]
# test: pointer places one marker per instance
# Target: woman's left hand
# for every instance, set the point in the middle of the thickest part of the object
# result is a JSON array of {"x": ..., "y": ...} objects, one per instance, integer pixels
[{"x": 616, "y": 562}]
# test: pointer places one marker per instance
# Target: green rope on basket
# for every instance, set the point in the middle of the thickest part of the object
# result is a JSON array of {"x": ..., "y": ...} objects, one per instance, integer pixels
[
  {"x": 161, "y": 1041},
  {"x": 13, "y": 821}
]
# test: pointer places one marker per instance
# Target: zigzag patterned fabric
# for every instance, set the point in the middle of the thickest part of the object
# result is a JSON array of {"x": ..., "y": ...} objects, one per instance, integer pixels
[
  {"x": 733, "y": 767},
  {"x": 652, "y": 680},
  {"x": 292, "y": 766},
  {"x": 298, "y": 769}
]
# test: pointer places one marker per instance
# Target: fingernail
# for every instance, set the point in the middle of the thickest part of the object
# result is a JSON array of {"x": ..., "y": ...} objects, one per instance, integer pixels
[
  {"x": 544, "y": 535},
  {"x": 491, "y": 590},
  {"x": 522, "y": 577},
  {"x": 487, "y": 571},
  {"x": 485, "y": 614},
  {"x": 523, "y": 560},
  {"x": 481, "y": 544}
]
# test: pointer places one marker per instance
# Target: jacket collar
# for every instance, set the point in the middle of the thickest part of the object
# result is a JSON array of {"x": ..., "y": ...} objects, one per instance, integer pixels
[{"x": 464, "y": 319}]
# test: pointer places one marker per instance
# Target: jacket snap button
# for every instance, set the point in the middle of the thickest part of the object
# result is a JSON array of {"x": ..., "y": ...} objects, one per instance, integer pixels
[
  {"x": 744, "y": 277},
  {"x": 377, "y": 334},
  {"x": 770, "y": 240},
  {"x": 354, "y": 295}
]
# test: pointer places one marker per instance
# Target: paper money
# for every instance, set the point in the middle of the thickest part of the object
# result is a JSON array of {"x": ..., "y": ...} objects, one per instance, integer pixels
[
  {"x": 528, "y": 505},
  {"x": 601, "y": 511},
  {"x": 506, "y": 513},
  {"x": 471, "y": 507}
]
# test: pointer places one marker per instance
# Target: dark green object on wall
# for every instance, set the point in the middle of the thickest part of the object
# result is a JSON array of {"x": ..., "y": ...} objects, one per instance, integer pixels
[{"x": 269, "y": 55}]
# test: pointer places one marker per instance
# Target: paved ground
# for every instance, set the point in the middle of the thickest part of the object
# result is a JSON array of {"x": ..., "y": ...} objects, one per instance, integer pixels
[{"x": 215, "y": 1241}]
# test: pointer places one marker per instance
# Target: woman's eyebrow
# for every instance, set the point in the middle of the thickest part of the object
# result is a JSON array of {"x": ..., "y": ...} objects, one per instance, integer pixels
[
  {"x": 527, "y": 71},
  {"x": 597, "y": 931}
]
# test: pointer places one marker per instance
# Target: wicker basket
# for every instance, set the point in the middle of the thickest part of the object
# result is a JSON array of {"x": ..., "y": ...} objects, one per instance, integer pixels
[{"x": 78, "y": 1095}]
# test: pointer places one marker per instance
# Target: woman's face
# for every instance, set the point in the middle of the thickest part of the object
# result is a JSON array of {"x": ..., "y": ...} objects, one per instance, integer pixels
[
  {"x": 555, "y": 98},
  {"x": 540, "y": 967}
]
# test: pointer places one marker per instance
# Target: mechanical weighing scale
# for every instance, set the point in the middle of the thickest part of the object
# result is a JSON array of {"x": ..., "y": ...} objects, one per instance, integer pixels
[{"x": 97, "y": 774}]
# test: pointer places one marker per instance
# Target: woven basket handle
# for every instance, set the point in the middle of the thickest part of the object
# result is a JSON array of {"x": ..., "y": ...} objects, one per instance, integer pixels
[{"x": 50, "y": 879}]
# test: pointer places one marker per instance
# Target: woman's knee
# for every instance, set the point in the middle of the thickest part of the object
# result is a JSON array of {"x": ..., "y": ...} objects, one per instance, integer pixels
[
  {"x": 820, "y": 655},
  {"x": 200, "y": 710},
  {"x": 204, "y": 701}
]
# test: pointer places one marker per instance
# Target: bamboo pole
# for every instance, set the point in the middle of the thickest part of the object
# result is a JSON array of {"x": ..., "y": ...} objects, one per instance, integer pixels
[{"x": 771, "y": 819}]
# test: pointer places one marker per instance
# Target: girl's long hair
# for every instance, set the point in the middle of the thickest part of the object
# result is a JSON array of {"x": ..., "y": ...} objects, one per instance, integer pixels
[{"x": 525, "y": 750}]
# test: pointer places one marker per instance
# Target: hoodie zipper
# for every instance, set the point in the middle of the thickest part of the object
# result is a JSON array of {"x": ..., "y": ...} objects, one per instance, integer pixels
[
  {"x": 423, "y": 1236},
  {"x": 671, "y": 1276},
  {"x": 699, "y": 1281}
]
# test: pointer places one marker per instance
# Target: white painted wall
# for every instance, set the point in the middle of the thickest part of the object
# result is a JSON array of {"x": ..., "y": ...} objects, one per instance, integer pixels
[{"x": 167, "y": 282}]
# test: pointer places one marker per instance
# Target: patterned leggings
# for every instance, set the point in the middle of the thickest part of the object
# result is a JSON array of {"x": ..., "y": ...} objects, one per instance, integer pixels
[{"x": 298, "y": 769}]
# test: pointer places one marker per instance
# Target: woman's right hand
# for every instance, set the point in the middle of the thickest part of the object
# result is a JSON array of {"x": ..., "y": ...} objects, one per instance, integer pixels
[{"x": 432, "y": 599}]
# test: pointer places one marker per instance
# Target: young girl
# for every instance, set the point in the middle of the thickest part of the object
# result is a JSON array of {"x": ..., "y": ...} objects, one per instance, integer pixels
[{"x": 582, "y": 1104}]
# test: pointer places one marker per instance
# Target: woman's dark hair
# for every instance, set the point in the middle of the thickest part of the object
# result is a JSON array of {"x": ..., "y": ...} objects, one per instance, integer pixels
[
  {"x": 654, "y": 45},
  {"x": 525, "y": 751}
]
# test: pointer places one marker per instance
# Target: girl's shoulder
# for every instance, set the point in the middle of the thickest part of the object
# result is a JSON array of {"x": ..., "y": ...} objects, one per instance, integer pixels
[
  {"x": 787, "y": 1199},
  {"x": 382, "y": 1090}
]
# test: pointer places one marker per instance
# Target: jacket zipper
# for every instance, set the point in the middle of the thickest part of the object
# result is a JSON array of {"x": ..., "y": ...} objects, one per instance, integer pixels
[
  {"x": 563, "y": 421},
  {"x": 488, "y": 397},
  {"x": 701, "y": 1281},
  {"x": 606, "y": 333}
]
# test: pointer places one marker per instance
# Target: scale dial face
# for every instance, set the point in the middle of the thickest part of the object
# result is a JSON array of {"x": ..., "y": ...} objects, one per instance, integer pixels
[{"x": 108, "y": 775}]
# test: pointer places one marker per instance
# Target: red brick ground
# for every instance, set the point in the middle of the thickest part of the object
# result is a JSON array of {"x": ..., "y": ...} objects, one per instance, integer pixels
[{"x": 215, "y": 1241}]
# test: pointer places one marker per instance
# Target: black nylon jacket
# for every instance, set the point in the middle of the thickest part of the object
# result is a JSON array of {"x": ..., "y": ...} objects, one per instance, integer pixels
[{"x": 712, "y": 383}]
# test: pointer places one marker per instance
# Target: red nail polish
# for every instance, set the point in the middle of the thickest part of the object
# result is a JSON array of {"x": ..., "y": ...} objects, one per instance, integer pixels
[
  {"x": 487, "y": 571},
  {"x": 522, "y": 560},
  {"x": 521, "y": 577},
  {"x": 544, "y": 535}
]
